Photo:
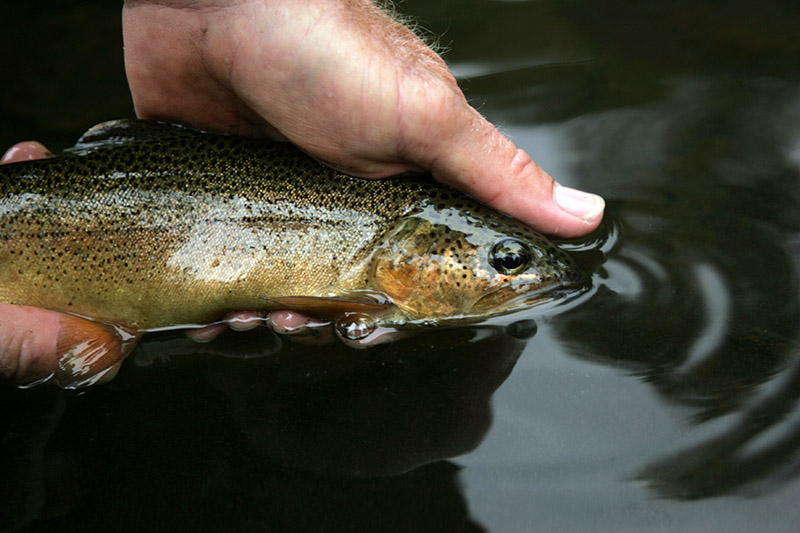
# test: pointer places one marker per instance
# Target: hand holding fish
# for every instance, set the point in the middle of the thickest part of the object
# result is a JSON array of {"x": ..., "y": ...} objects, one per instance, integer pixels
[
  {"x": 353, "y": 89},
  {"x": 346, "y": 84}
]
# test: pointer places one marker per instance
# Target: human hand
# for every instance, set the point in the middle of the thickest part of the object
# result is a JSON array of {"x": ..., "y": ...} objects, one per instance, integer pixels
[
  {"x": 345, "y": 83},
  {"x": 339, "y": 79}
]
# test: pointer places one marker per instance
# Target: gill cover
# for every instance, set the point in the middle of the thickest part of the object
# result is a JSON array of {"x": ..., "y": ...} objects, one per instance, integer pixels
[{"x": 430, "y": 270}]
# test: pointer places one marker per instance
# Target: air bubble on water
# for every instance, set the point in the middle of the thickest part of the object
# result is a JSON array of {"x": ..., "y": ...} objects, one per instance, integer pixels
[{"x": 355, "y": 326}]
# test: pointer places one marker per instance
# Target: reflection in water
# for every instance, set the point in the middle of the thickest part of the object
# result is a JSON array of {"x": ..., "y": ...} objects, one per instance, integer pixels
[
  {"x": 294, "y": 439},
  {"x": 702, "y": 339},
  {"x": 700, "y": 297},
  {"x": 760, "y": 445}
]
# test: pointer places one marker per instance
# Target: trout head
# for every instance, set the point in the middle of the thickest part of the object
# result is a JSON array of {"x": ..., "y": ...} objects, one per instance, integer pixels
[{"x": 469, "y": 263}]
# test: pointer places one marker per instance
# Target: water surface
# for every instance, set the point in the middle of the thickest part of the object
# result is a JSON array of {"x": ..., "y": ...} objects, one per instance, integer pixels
[{"x": 665, "y": 399}]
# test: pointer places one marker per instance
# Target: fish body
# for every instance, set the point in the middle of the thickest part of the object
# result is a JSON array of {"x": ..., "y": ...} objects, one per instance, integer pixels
[{"x": 146, "y": 225}]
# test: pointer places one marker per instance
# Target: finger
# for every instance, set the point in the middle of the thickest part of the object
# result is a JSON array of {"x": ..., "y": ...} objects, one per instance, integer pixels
[
  {"x": 245, "y": 320},
  {"x": 25, "y": 151},
  {"x": 300, "y": 328},
  {"x": 288, "y": 321},
  {"x": 237, "y": 321},
  {"x": 478, "y": 159},
  {"x": 206, "y": 333},
  {"x": 28, "y": 343}
]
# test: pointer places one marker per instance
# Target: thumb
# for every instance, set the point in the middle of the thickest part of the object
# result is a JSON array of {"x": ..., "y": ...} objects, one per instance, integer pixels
[
  {"x": 481, "y": 161},
  {"x": 28, "y": 339}
]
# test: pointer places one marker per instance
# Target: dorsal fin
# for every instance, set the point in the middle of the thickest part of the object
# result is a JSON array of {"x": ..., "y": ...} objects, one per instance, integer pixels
[{"x": 126, "y": 131}]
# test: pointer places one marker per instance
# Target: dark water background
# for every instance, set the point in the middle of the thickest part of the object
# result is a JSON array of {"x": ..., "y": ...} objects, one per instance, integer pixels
[{"x": 665, "y": 400}]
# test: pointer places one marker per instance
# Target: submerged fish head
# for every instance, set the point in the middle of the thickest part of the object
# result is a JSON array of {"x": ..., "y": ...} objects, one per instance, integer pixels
[{"x": 469, "y": 262}]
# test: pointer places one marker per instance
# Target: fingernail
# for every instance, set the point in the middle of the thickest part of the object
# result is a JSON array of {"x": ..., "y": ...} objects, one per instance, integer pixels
[{"x": 578, "y": 203}]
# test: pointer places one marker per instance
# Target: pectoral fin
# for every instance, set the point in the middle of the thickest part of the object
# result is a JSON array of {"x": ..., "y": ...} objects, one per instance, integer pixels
[
  {"x": 332, "y": 308},
  {"x": 88, "y": 350}
]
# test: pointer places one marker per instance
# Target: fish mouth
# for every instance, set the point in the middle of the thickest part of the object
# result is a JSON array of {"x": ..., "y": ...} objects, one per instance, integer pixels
[{"x": 513, "y": 298}]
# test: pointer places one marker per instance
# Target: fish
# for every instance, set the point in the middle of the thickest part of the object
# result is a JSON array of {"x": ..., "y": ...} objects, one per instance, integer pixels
[{"x": 143, "y": 226}]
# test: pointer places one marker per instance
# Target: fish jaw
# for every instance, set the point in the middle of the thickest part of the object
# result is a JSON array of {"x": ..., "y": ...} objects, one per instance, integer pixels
[{"x": 520, "y": 294}]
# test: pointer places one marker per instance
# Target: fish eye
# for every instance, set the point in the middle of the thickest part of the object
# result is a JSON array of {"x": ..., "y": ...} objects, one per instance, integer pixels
[{"x": 510, "y": 256}]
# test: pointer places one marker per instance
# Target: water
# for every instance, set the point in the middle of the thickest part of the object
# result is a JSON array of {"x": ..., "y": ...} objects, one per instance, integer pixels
[{"x": 665, "y": 399}]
